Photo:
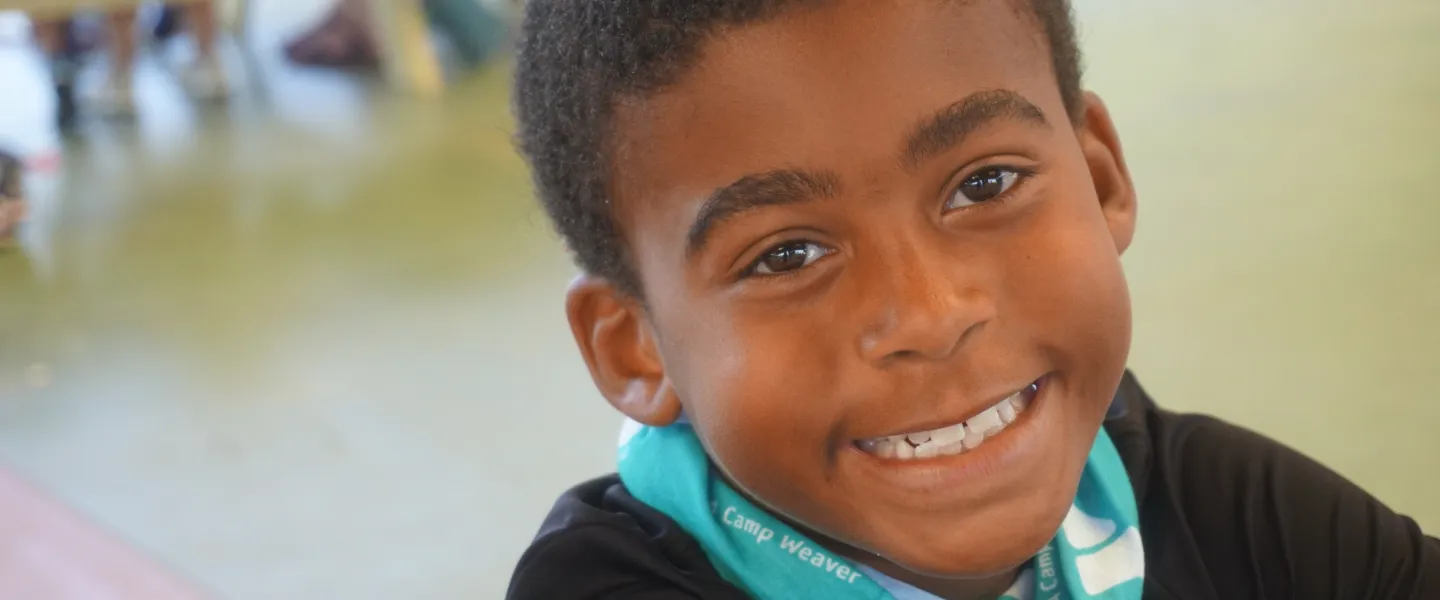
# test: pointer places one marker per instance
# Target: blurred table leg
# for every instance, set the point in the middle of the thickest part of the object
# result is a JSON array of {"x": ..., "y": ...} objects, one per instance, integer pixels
[
  {"x": 409, "y": 60},
  {"x": 48, "y": 552}
]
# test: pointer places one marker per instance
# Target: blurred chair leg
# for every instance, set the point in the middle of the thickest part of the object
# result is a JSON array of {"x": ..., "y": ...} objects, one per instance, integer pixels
[
  {"x": 240, "y": 19},
  {"x": 409, "y": 60}
]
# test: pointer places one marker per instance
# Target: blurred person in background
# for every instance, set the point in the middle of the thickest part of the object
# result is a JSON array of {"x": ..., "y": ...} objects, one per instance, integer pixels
[
  {"x": 204, "y": 79},
  {"x": 53, "y": 36},
  {"x": 345, "y": 37}
]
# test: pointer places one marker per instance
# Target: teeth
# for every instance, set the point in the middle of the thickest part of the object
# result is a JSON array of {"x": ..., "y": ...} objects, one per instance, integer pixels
[
  {"x": 1007, "y": 412},
  {"x": 953, "y": 439},
  {"x": 973, "y": 434},
  {"x": 946, "y": 436},
  {"x": 987, "y": 422}
]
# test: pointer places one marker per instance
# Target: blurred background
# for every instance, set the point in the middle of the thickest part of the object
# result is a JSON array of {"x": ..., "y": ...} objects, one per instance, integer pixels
[{"x": 309, "y": 343}]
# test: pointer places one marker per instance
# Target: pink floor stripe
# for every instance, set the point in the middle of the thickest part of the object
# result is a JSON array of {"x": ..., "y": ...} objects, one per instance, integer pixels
[{"x": 48, "y": 552}]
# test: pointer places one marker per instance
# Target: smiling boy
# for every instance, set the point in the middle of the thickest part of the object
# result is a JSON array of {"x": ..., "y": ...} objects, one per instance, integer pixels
[{"x": 852, "y": 271}]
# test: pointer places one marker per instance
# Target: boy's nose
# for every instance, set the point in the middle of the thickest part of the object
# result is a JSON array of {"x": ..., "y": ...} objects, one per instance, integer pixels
[{"x": 925, "y": 309}]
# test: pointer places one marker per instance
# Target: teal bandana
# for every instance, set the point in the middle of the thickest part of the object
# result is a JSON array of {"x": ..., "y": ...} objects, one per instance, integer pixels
[{"x": 1095, "y": 555}]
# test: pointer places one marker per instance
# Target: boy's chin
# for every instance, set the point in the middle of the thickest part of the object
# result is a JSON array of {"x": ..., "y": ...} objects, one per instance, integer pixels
[
  {"x": 968, "y": 563},
  {"x": 970, "y": 554}
]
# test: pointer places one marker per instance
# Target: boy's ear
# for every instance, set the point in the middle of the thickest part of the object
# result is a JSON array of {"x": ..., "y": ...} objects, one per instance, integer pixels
[
  {"x": 618, "y": 345},
  {"x": 1101, "y": 145}
]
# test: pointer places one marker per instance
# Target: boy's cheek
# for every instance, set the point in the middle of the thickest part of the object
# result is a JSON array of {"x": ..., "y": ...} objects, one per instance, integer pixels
[
  {"x": 1065, "y": 270},
  {"x": 764, "y": 405},
  {"x": 771, "y": 455},
  {"x": 1064, "y": 291}
]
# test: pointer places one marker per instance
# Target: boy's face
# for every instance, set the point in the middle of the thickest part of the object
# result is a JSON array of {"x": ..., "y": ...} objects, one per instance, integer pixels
[{"x": 851, "y": 223}]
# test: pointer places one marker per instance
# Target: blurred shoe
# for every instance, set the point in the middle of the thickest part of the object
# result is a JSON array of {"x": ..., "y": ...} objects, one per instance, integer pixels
[
  {"x": 167, "y": 24},
  {"x": 205, "y": 81},
  {"x": 342, "y": 40},
  {"x": 114, "y": 99}
]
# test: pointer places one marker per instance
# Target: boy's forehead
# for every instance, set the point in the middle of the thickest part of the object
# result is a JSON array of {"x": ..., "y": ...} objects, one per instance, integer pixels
[{"x": 817, "y": 88}]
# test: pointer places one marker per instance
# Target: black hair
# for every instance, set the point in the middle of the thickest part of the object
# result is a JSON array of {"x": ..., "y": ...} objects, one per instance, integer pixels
[{"x": 577, "y": 58}]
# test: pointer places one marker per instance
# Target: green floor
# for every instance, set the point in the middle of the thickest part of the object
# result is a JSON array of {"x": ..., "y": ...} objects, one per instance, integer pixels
[{"x": 311, "y": 346}]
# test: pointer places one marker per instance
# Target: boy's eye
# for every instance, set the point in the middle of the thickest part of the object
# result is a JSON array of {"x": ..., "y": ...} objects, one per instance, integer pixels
[
  {"x": 983, "y": 185},
  {"x": 788, "y": 257}
]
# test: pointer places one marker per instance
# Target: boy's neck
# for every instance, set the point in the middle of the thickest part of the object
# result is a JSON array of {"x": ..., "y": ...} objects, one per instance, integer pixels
[{"x": 984, "y": 588}]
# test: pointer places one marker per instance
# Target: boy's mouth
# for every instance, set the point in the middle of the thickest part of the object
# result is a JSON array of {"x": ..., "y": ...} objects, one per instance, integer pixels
[{"x": 953, "y": 439}]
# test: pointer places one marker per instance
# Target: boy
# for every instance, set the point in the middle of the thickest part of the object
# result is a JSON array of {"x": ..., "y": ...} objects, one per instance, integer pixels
[
  {"x": 852, "y": 272},
  {"x": 204, "y": 79}
]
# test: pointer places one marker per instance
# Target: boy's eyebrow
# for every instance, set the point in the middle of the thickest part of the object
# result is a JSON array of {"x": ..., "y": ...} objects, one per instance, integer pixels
[
  {"x": 947, "y": 128},
  {"x": 773, "y": 188},
  {"x": 950, "y": 126}
]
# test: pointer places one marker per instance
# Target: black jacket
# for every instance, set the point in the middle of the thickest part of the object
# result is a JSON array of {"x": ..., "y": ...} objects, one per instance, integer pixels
[{"x": 1225, "y": 513}]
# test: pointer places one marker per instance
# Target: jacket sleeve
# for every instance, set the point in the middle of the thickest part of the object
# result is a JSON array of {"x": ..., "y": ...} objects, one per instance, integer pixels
[
  {"x": 599, "y": 542},
  {"x": 1272, "y": 523},
  {"x": 592, "y": 563}
]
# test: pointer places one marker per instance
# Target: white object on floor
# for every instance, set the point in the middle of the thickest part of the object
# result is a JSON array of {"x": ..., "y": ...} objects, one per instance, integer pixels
[
  {"x": 115, "y": 98},
  {"x": 205, "y": 80}
]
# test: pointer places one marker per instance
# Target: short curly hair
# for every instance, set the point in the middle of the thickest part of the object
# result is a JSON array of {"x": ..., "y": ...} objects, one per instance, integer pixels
[{"x": 576, "y": 58}]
